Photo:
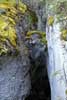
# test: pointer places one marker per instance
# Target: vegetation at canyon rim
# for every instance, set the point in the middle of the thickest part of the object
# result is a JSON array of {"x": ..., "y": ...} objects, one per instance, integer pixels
[
  {"x": 10, "y": 15},
  {"x": 58, "y": 10}
]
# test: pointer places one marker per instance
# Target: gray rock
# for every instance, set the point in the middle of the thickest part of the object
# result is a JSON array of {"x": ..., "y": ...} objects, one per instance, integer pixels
[
  {"x": 14, "y": 77},
  {"x": 39, "y": 7}
]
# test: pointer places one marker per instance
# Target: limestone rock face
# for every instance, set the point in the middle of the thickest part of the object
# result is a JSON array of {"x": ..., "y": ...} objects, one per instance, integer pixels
[
  {"x": 57, "y": 69},
  {"x": 14, "y": 69},
  {"x": 14, "y": 77}
]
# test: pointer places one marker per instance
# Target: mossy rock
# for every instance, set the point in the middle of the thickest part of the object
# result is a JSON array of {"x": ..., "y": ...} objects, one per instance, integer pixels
[
  {"x": 40, "y": 33},
  {"x": 50, "y": 20},
  {"x": 66, "y": 91},
  {"x": 8, "y": 20},
  {"x": 64, "y": 34},
  {"x": 8, "y": 36}
]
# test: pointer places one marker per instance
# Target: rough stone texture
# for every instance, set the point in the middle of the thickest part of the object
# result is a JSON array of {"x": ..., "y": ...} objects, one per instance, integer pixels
[
  {"x": 39, "y": 79},
  {"x": 14, "y": 69},
  {"x": 37, "y": 52},
  {"x": 14, "y": 76},
  {"x": 40, "y": 9}
]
